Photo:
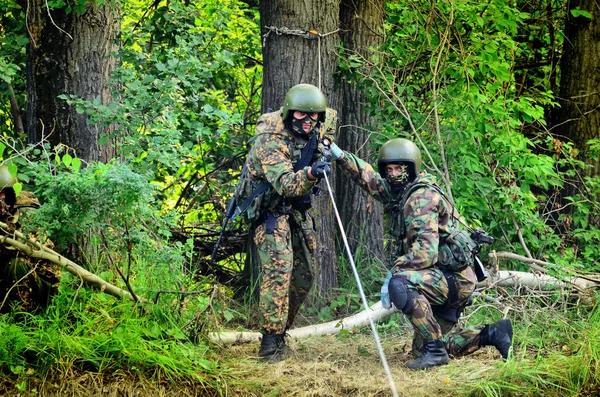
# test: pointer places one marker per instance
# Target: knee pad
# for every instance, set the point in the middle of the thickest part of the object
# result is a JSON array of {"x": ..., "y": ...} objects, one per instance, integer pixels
[{"x": 401, "y": 296}]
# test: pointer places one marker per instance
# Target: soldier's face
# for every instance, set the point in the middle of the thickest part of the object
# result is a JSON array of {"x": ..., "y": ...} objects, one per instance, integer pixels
[
  {"x": 396, "y": 173},
  {"x": 307, "y": 119}
]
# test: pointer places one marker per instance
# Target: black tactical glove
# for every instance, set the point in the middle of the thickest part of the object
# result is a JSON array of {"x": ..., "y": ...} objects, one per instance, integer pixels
[{"x": 320, "y": 168}]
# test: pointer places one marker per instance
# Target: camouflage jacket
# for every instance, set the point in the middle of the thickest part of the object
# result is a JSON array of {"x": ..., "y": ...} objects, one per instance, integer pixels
[
  {"x": 274, "y": 153},
  {"x": 426, "y": 216}
]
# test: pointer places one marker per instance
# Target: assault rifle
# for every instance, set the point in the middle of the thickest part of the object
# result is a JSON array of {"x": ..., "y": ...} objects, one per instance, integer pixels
[
  {"x": 229, "y": 215},
  {"x": 480, "y": 238}
]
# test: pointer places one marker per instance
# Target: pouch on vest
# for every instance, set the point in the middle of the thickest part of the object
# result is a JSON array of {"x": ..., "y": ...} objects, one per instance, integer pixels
[{"x": 456, "y": 252}]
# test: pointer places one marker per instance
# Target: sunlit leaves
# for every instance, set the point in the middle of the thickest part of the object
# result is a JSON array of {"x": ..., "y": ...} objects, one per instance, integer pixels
[{"x": 461, "y": 61}]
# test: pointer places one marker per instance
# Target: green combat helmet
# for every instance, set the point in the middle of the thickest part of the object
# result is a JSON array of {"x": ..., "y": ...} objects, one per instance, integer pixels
[
  {"x": 6, "y": 178},
  {"x": 306, "y": 98},
  {"x": 400, "y": 150},
  {"x": 6, "y": 186}
]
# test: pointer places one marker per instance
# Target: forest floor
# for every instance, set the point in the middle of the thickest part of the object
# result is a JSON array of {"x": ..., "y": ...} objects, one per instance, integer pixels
[
  {"x": 350, "y": 366},
  {"x": 317, "y": 366}
]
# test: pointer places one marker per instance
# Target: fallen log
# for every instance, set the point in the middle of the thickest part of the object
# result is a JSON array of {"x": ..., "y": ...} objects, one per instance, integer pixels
[
  {"x": 361, "y": 319},
  {"x": 507, "y": 278},
  {"x": 34, "y": 249},
  {"x": 503, "y": 278}
]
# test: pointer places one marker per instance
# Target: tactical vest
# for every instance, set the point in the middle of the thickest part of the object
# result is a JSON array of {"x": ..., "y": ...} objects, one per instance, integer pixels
[
  {"x": 254, "y": 196},
  {"x": 455, "y": 251}
]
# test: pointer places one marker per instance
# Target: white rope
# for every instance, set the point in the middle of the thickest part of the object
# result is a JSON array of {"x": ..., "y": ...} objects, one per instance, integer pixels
[
  {"x": 362, "y": 295},
  {"x": 319, "y": 52}
]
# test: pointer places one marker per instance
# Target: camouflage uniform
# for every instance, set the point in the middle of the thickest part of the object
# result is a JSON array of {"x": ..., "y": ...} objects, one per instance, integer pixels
[
  {"x": 426, "y": 221},
  {"x": 285, "y": 252},
  {"x": 26, "y": 283}
]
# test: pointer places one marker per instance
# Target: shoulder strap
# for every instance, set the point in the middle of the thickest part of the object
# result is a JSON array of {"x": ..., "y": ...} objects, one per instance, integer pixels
[
  {"x": 307, "y": 153},
  {"x": 246, "y": 203}
]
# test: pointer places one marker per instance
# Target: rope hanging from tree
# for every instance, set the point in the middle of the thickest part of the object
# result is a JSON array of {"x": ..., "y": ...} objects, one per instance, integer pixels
[{"x": 310, "y": 34}]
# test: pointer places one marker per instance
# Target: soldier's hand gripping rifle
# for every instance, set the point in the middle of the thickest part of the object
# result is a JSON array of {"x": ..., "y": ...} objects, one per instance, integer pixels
[{"x": 480, "y": 238}]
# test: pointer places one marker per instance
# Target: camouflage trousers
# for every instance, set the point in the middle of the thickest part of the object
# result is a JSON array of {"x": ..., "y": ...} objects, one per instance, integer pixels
[
  {"x": 286, "y": 258},
  {"x": 432, "y": 289}
]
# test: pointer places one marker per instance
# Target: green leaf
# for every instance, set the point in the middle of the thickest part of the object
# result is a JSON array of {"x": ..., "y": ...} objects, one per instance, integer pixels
[
  {"x": 577, "y": 12},
  {"x": 67, "y": 159},
  {"x": 17, "y": 187},
  {"x": 12, "y": 168},
  {"x": 76, "y": 164}
]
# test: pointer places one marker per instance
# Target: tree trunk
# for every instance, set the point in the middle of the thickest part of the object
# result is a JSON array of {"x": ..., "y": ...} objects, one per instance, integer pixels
[
  {"x": 362, "y": 25},
  {"x": 292, "y": 55},
  {"x": 578, "y": 117},
  {"x": 71, "y": 54}
]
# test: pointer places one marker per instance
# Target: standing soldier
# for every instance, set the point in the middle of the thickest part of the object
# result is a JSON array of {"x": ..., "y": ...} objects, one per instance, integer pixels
[
  {"x": 430, "y": 295},
  {"x": 282, "y": 171}
]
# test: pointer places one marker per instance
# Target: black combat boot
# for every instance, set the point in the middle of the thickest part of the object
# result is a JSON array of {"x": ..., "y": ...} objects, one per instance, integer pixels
[
  {"x": 499, "y": 335},
  {"x": 272, "y": 348},
  {"x": 434, "y": 354}
]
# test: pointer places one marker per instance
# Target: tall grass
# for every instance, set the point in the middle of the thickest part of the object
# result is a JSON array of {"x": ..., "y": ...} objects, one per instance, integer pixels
[
  {"x": 553, "y": 357},
  {"x": 93, "y": 332}
]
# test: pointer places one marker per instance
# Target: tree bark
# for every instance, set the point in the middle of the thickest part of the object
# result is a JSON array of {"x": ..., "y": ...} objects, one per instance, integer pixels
[
  {"x": 578, "y": 117},
  {"x": 362, "y": 25},
  {"x": 16, "y": 113},
  {"x": 69, "y": 53},
  {"x": 292, "y": 55}
]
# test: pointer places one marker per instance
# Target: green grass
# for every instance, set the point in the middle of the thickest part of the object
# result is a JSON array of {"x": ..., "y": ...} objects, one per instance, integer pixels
[
  {"x": 552, "y": 358},
  {"x": 105, "y": 336}
]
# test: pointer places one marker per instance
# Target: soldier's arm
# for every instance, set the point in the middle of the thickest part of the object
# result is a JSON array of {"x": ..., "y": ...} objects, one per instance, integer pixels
[
  {"x": 272, "y": 156},
  {"x": 422, "y": 233},
  {"x": 364, "y": 175}
]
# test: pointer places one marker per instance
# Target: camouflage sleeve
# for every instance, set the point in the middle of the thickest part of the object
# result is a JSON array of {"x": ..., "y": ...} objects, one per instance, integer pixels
[
  {"x": 422, "y": 234},
  {"x": 271, "y": 160},
  {"x": 364, "y": 175}
]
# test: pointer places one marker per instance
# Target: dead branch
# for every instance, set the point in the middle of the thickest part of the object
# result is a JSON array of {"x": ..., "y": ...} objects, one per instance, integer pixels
[
  {"x": 506, "y": 278},
  {"x": 34, "y": 249}
]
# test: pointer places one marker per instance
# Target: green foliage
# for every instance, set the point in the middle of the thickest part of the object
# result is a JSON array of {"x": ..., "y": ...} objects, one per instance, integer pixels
[
  {"x": 450, "y": 75},
  {"x": 555, "y": 356},
  {"x": 108, "y": 198},
  {"x": 94, "y": 333},
  {"x": 12, "y": 63},
  {"x": 183, "y": 96}
]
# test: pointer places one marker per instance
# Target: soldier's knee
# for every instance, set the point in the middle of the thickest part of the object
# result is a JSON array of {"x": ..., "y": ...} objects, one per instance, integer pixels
[{"x": 401, "y": 296}]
